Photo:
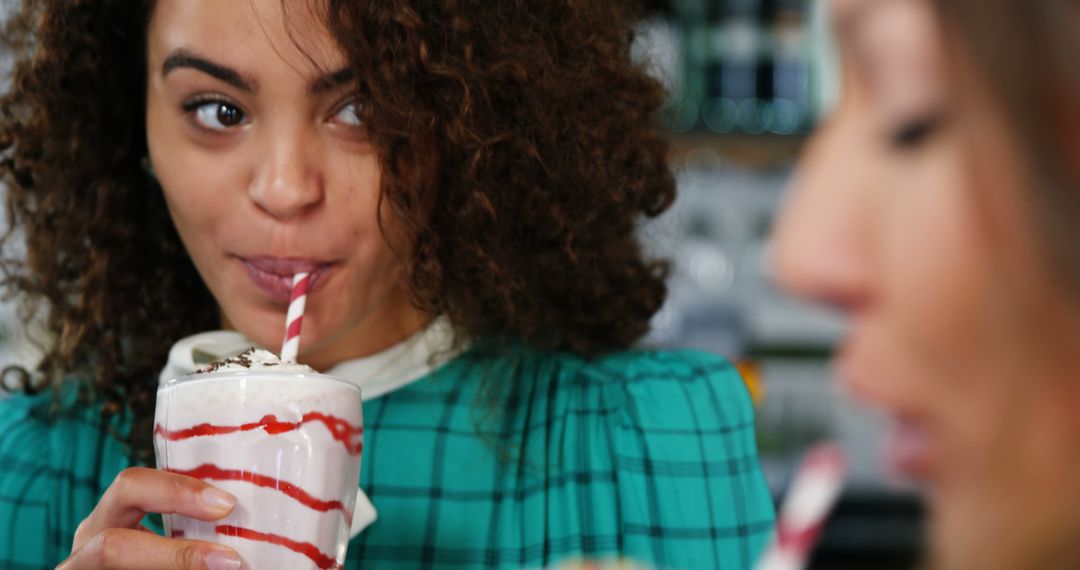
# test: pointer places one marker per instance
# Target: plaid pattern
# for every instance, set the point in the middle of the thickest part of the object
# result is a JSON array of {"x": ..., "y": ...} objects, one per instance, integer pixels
[
  {"x": 647, "y": 455},
  {"x": 51, "y": 476}
]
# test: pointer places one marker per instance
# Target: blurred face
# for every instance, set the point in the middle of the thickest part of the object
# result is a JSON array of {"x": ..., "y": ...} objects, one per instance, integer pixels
[
  {"x": 268, "y": 171},
  {"x": 908, "y": 214}
]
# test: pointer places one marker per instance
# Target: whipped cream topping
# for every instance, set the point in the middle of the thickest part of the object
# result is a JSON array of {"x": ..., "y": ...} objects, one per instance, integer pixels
[{"x": 254, "y": 359}]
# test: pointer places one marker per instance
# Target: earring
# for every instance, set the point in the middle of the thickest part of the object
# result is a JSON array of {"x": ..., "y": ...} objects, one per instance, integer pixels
[{"x": 148, "y": 167}]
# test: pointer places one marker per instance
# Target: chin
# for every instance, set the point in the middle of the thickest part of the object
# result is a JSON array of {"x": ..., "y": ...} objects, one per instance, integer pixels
[{"x": 1000, "y": 540}]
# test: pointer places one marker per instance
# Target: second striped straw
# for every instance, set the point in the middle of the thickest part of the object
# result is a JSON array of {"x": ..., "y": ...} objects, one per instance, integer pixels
[
  {"x": 813, "y": 493},
  {"x": 294, "y": 318}
]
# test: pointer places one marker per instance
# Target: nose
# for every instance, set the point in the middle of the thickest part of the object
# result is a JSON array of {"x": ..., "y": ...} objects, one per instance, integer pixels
[
  {"x": 823, "y": 247},
  {"x": 288, "y": 181}
]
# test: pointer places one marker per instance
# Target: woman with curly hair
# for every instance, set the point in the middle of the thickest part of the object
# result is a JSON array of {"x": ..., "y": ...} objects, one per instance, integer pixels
[{"x": 463, "y": 178}]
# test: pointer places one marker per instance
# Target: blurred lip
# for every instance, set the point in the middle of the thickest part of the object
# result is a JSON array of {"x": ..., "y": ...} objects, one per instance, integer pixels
[
  {"x": 907, "y": 451},
  {"x": 908, "y": 444},
  {"x": 273, "y": 275}
]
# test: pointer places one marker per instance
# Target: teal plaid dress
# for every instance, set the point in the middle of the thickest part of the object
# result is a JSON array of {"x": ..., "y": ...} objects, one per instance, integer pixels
[{"x": 498, "y": 459}]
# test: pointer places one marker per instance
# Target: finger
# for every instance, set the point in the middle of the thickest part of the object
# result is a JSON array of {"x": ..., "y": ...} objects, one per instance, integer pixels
[
  {"x": 124, "y": 549},
  {"x": 139, "y": 490}
]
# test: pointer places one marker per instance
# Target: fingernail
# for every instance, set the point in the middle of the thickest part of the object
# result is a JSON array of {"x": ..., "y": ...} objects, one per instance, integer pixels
[
  {"x": 216, "y": 499},
  {"x": 222, "y": 560}
]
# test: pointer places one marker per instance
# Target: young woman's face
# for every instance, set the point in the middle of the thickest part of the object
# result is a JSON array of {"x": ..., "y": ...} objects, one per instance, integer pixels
[
  {"x": 254, "y": 135},
  {"x": 908, "y": 213}
]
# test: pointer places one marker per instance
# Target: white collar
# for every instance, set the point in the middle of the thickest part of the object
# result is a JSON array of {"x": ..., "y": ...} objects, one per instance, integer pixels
[
  {"x": 376, "y": 375},
  {"x": 403, "y": 363}
]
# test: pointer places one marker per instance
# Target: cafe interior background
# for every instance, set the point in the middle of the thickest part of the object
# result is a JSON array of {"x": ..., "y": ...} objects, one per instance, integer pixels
[{"x": 748, "y": 82}]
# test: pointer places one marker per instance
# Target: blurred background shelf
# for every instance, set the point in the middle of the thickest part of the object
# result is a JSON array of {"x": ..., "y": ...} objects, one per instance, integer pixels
[{"x": 750, "y": 151}]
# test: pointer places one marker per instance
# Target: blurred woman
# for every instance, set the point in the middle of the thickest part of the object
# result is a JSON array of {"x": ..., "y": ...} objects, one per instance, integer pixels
[{"x": 937, "y": 208}]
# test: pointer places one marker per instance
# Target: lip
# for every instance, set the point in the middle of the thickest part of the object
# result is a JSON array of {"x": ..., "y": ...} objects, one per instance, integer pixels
[
  {"x": 908, "y": 444},
  {"x": 907, "y": 450},
  {"x": 273, "y": 275}
]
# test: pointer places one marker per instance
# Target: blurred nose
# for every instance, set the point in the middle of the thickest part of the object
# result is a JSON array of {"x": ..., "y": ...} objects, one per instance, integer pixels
[
  {"x": 288, "y": 181},
  {"x": 823, "y": 247}
]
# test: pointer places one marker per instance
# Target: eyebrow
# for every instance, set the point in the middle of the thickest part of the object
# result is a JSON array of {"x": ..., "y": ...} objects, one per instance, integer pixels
[
  {"x": 182, "y": 58},
  {"x": 332, "y": 81}
]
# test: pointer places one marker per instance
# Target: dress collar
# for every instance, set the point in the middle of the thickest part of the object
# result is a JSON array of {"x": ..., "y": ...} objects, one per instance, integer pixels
[{"x": 376, "y": 375}]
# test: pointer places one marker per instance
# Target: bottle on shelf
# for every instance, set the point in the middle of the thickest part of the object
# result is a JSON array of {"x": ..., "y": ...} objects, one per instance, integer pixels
[
  {"x": 735, "y": 46},
  {"x": 790, "y": 73},
  {"x": 744, "y": 67},
  {"x": 683, "y": 110}
]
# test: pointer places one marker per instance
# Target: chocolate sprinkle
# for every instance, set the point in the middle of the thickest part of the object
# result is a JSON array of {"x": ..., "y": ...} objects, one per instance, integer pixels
[{"x": 242, "y": 359}]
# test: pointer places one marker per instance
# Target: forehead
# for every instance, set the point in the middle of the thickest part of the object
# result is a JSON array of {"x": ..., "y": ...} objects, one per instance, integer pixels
[
  {"x": 898, "y": 39},
  {"x": 911, "y": 18},
  {"x": 249, "y": 32}
]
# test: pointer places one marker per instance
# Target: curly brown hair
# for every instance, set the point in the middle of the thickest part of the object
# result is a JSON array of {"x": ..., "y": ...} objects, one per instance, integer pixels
[{"x": 516, "y": 140}]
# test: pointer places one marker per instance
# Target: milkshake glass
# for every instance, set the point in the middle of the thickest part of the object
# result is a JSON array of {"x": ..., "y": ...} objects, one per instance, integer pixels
[{"x": 282, "y": 438}]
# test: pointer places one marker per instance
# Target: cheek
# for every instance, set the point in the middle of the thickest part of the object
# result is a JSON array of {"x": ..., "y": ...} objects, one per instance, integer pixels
[
  {"x": 194, "y": 209},
  {"x": 356, "y": 205},
  {"x": 352, "y": 203},
  {"x": 938, "y": 279},
  {"x": 1006, "y": 429},
  {"x": 378, "y": 262},
  {"x": 199, "y": 210},
  {"x": 191, "y": 180},
  {"x": 1011, "y": 485}
]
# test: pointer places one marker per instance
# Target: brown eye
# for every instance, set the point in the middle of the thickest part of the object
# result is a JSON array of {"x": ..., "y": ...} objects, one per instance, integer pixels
[
  {"x": 216, "y": 115},
  {"x": 228, "y": 115}
]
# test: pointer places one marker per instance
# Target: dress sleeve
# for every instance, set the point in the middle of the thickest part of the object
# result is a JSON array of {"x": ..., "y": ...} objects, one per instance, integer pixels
[
  {"x": 53, "y": 470},
  {"x": 691, "y": 491}
]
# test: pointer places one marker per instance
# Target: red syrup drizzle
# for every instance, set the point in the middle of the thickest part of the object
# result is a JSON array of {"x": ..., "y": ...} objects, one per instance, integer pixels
[
  {"x": 321, "y": 560},
  {"x": 341, "y": 430},
  {"x": 213, "y": 472}
]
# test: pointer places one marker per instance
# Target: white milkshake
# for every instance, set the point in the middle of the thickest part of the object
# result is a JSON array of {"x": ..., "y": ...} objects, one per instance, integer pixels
[{"x": 282, "y": 438}]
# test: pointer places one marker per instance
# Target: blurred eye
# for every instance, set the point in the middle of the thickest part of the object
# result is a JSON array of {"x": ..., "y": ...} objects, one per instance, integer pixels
[
  {"x": 914, "y": 133},
  {"x": 349, "y": 115},
  {"x": 215, "y": 115}
]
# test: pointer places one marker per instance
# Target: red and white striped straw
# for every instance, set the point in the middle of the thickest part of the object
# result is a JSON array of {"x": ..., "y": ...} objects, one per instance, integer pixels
[
  {"x": 294, "y": 318},
  {"x": 812, "y": 494}
]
